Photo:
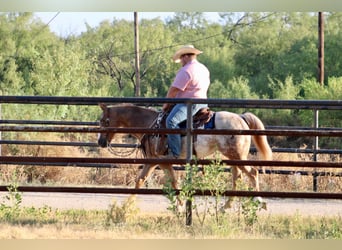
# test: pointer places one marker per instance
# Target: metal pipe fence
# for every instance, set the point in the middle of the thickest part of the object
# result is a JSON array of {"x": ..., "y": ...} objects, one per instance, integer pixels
[{"x": 91, "y": 127}]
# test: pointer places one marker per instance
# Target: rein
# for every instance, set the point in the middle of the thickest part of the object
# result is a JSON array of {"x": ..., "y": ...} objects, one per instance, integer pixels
[
  {"x": 122, "y": 153},
  {"x": 153, "y": 142}
]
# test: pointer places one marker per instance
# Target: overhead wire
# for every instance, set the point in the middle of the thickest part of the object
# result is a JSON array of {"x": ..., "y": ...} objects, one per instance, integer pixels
[
  {"x": 238, "y": 23},
  {"x": 168, "y": 46},
  {"x": 53, "y": 18},
  {"x": 48, "y": 23}
]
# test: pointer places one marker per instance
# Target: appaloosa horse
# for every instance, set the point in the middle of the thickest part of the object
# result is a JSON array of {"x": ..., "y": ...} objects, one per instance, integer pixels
[{"x": 234, "y": 147}]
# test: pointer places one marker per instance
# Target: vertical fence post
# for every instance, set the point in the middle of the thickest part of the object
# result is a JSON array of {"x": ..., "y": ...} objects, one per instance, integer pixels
[
  {"x": 315, "y": 148},
  {"x": 0, "y": 132},
  {"x": 188, "y": 204}
]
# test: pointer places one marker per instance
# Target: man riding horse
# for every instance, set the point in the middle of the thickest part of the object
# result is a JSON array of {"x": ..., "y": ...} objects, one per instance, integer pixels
[{"x": 191, "y": 81}]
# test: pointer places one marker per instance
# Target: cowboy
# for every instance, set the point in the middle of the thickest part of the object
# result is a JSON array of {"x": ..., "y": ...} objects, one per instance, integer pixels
[{"x": 191, "y": 81}]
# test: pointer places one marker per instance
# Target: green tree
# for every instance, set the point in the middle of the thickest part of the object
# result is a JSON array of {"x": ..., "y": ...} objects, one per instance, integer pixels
[
  {"x": 270, "y": 45},
  {"x": 111, "y": 48},
  {"x": 332, "y": 45},
  {"x": 10, "y": 78},
  {"x": 188, "y": 21}
]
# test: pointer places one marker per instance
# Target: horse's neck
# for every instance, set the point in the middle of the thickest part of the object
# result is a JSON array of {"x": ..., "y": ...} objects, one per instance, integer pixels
[{"x": 139, "y": 117}]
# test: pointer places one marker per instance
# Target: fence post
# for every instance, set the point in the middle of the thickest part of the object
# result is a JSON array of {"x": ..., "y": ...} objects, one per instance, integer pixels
[
  {"x": 315, "y": 148},
  {"x": 188, "y": 204},
  {"x": 0, "y": 132}
]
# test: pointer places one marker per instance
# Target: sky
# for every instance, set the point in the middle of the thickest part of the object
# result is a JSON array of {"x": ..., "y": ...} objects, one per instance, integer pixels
[{"x": 73, "y": 23}]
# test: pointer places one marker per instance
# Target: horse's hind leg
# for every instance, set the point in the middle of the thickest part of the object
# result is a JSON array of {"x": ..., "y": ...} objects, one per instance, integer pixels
[
  {"x": 253, "y": 176},
  {"x": 236, "y": 175}
]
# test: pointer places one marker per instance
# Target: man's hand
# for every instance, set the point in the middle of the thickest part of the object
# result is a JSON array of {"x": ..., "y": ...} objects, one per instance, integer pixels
[
  {"x": 166, "y": 107},
  {"x": 172, "y": 93}
]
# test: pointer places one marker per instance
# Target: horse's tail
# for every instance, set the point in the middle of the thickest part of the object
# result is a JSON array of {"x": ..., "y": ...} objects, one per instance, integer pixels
[{"x": 260, "y": 141}]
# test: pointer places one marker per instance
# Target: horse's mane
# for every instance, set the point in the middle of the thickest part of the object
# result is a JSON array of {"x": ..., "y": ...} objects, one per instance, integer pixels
[
  {"x": 127, "y": 105},
  {"x": 120, "y": 105}
]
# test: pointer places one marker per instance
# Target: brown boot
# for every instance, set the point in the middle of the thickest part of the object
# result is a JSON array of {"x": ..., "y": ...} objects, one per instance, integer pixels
[{"x": 168, "y": 156}]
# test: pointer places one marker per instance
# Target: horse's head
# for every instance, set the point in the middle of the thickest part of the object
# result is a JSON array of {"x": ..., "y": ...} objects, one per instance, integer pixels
[
  {"x": 124, "y": 116},
  {"x": 105, "y": 138}
]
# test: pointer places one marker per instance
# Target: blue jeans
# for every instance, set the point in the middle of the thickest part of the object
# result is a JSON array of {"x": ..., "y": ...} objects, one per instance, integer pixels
[{"x": 177, "y": 115}]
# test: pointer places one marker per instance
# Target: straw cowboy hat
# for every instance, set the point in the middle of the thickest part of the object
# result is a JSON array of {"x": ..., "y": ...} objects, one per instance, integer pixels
[{"x": 186, "y": 49}]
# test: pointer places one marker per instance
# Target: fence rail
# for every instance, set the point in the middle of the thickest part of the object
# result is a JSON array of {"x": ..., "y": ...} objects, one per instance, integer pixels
[
  {"x": 151, "y": 191},
  {"x": 231, "y": 103},
  {"x": 71, "y": 160}
]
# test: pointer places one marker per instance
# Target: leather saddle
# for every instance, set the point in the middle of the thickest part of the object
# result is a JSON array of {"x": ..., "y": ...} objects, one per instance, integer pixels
[
  {"x": 157, "y": 143},
  {"x": 201, "y": 119}
]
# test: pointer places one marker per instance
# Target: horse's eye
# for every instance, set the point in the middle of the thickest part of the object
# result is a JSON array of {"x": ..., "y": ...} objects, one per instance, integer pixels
[
  {"x": 107, "y": 122},
  {"x": 104, "y": 122}
]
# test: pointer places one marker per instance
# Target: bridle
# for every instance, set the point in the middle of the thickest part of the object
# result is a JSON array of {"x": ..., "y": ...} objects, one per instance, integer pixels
[{"x": 105, "y": 122}]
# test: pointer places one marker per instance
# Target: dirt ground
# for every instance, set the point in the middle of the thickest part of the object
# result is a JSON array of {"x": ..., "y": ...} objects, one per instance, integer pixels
[{"x": 155, "y": 203}]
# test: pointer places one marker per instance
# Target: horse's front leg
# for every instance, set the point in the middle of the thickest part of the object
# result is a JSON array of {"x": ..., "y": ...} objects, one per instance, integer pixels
[
  {"x": 171, "y": 174},
  {"x": 144, "y": 174}
]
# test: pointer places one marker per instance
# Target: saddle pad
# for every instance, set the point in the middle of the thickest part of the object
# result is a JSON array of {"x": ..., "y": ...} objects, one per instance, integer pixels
[
  {"x": 211, "y": 123},
  {"x": 208, "y": 125}
]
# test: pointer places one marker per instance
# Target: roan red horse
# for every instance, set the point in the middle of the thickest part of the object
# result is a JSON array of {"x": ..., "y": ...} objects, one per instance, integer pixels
[{"x": 234, "y": 147}]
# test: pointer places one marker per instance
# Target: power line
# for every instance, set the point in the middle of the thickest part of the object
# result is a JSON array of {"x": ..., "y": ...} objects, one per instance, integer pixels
[
  {"x": 53, "y": 18},
  {"x": 224, "y": 33},
  {"x": 170, "y": 46}
]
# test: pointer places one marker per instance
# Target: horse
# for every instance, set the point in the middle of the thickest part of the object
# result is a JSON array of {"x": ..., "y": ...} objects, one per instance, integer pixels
[{"x": 234, "y": 147}]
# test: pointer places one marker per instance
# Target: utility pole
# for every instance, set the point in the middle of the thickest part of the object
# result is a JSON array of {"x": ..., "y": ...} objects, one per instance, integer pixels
[
  {"x": 321, "y": 48},
  {"x": 136, "y": 52},
  {"x": 321, "y": 82}
]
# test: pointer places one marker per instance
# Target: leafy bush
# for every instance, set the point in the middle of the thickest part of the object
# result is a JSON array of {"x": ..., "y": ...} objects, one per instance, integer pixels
[
  {"x": 210, "y": 208},
  {"x": 121, "y": 214}
]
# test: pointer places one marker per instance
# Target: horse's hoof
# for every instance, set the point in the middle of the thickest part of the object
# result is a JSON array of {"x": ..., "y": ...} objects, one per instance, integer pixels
[
  {"x": 222, "y": 210},
  {"x": 261, "y": 202},
  {"x": 263, "y": 205},
  {"x": 180, "y": 208},
  {"x": 228, "y": 204}
]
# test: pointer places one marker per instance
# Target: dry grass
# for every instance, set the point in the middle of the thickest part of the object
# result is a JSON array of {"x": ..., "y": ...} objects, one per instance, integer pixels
[
  {"x": 60, "y": 232},
  {"x": 301, "y": 182},
  {"x": 93, "y": 225},
  {"x": 118, "y": 174}
]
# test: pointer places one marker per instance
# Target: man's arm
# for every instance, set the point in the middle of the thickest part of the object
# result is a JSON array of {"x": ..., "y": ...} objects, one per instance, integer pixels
[{"x": 172, "y": 93}]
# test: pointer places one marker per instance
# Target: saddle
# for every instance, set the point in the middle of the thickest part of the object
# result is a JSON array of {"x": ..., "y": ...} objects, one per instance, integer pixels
[{"x": 204, "y": 118}]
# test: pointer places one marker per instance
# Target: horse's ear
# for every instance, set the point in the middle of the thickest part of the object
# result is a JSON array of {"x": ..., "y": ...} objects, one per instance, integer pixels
[{"x": 103, "y": 106}]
